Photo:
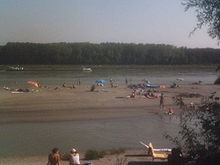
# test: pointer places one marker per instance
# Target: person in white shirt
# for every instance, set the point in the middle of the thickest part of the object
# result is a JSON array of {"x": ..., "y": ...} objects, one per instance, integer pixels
[{"x": 74, "y": 157}]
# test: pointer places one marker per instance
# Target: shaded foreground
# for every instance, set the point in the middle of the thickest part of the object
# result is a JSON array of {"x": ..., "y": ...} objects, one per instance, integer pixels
[{"x": 130, "y": 157}]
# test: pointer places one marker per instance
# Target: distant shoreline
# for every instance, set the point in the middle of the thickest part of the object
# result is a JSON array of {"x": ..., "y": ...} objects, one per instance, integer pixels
[{"x": 105, "y": 53}]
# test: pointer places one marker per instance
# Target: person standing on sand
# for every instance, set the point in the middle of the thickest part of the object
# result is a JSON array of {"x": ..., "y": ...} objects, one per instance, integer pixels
[
  {"x": 111, "y": 83},
  {"x": 54, "y": 157},
  {"x": 74, "y": 157},
  {"x": 161, "y": 101}
]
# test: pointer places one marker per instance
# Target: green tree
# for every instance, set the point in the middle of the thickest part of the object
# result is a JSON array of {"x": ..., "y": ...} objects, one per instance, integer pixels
[
  {"x": 208, "y": 13},
  {"x": 104, "y": 53},
  {"x": 200, "y": 134}
]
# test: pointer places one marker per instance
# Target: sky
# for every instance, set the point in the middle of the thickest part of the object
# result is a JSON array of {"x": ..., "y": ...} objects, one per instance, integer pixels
[{"x": 96, "y": 21}]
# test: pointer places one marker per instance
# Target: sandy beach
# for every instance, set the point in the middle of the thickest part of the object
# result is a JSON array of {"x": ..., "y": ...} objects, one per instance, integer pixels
[
  {"x": 63, "y": 104},
  {"x": 130, "y": 157}
]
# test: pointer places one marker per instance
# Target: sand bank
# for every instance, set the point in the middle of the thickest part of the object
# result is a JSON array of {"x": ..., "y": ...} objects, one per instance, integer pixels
[
  {"x": 62, "y": 104},
  {"x": 65, "y": 104}
]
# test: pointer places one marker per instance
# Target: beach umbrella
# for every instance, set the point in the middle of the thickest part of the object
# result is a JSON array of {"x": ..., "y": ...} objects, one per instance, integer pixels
[
  {"x": 33, "y": 83},
  {"x": 101, "y": 81}
]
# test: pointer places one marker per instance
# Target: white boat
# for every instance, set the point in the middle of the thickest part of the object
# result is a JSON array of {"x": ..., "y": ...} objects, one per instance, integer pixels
[
  {"x": 15, "y": 68},
  {"x": 87, "y": 69}
]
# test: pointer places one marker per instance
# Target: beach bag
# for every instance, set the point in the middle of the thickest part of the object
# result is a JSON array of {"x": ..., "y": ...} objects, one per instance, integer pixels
[{"x": 88, "y": 163}]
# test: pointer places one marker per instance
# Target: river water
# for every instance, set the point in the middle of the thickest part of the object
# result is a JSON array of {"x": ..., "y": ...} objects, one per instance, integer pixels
[
  {"x": 37, "y": 138},
  {"x": 25, "y": 139},
  {"x": 56, "y": 75}
]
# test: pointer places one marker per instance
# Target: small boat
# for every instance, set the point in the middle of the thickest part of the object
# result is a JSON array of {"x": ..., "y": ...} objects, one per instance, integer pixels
[
  {"x": 87, "y": 69},
  {"x": 15, "y": 68}
]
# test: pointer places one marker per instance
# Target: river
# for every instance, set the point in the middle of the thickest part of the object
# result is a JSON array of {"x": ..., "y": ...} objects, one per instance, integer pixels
[
  {"x": 57, "y": 75},
  {"x": 26, "y": 139}
]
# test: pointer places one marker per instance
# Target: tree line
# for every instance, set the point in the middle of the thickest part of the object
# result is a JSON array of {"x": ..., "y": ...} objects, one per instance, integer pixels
[{"x": 105, "y": 53}]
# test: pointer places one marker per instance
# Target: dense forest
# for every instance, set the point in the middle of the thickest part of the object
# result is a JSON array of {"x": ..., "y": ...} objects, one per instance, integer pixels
[{"x": 105, "y": 53}]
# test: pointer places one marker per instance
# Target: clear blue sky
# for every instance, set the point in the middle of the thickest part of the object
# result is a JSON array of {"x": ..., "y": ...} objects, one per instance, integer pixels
[{"x": 136, "y": 21}]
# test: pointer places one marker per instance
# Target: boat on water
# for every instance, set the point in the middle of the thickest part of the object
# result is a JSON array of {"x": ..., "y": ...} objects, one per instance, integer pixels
[
  {"x": 15, "y": 68},
  {"x": 87, "y": 69}
]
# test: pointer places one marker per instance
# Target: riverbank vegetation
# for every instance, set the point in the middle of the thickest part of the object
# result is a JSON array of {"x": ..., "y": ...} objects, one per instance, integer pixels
[
  {"x": 95, "y": 154},
  {"x": 200, "y": 134},
  {"x": 105, "y": 53},
  {"x": 217, "y": 81}
]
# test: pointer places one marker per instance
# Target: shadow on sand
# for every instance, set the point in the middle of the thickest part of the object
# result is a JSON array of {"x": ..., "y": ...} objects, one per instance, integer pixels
[
  {"x": 140, "y": 155},
  {"x": 146, "y": 163}
]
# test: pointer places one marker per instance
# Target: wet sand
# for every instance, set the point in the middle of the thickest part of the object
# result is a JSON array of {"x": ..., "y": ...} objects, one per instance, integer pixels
[{"x": 63, "y": 104}]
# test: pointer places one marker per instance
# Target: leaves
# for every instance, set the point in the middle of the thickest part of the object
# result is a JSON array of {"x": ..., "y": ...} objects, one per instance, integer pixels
[
  {"x": 200, "y": 131},
  {"x": 207, "y": 13}
]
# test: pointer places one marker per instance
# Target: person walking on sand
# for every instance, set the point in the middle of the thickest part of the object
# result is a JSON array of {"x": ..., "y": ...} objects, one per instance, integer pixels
[
  {"x": 54, "y": 157},
  {"x": 126, "y": 81},
  {"x": 74, "y": 157},
  {"x": 161, "y": 101}
]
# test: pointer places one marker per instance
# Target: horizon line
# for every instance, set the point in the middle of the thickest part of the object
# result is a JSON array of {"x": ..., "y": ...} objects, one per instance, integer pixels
[{"x": 5, "y": 43}]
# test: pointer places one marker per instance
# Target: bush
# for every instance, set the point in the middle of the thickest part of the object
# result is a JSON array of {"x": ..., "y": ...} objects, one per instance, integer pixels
[
  {"x": 116, "y": 151},
  {"x": 65, "y": 156},
  {"x": 102, "y": 154},
  {"x": 199, "y": 134},
  {"x": 94, "y": 154}
]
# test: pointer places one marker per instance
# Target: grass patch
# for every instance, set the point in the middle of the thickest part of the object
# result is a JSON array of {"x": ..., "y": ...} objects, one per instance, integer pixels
[
  {"x": 65, "y": 156},
  {"x": 116, "y": 151},
  {"x": 94, "y": 154}
]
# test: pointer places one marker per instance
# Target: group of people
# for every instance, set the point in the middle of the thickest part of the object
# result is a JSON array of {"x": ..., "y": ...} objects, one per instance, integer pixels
[
  {"x": 143, "y": 92},
  {"x": 76, "y": 82},
  {"x": 113, "y": 85},
  {"x": 54, "y": 157}
]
